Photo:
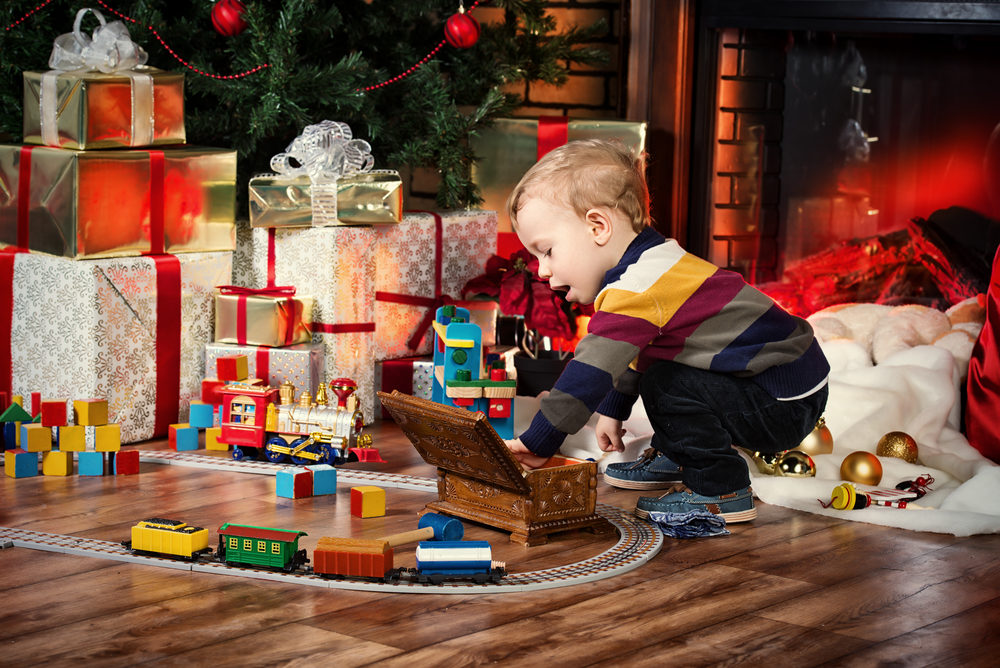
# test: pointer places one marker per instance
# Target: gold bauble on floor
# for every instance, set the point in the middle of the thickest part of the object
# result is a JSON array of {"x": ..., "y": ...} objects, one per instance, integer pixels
[
  {"x": 861, "y": 467},
  {"x": 898, "y": 444},
  {"x": 818, "y": 442},
  {"x": 795, "y": 464}
]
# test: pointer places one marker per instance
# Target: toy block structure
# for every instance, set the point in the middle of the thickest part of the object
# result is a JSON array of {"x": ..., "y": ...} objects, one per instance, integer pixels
[
  {"x": 182, "y": 436},
  {"x": 367, "y": 501},
  {"x": 459, "y": 378},
  {"x": 103, "y": 438},
  {"x": 294, "y": 482},
  {"x": 54, "y": 413},
  {"x": 232, "y": 368},
  {"x": 201, "y": 415},
  {"x": 90, "y": 463},
  {"x": 324, "y": 479},
  {"x": 20, "y": 464},
  {"x": 212, "y": 441},
  {"x": 56, "y": 462},
  {"x": 71, "y": 438},
  {"x": 35, "y": 437},
  {"x": 479, "y": 479},
  {"x": 90, "y": 412},
  {"x": 125, "y": 462}
]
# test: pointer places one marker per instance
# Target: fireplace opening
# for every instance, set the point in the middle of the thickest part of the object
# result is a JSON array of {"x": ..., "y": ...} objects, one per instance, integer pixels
[{"x": 845, "y": 160}]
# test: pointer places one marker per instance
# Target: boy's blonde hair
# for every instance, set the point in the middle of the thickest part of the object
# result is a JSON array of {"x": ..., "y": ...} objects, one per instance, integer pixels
[{"x": 585, "y": 174}]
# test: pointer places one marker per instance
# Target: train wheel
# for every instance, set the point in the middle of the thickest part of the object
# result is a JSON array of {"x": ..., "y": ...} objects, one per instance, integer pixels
[
  {"x": 271, "y": 455},
  {"x": 238, "y": 453},
  {"x": 302, "y": 461},
  {"x": 327, "y": 455}
]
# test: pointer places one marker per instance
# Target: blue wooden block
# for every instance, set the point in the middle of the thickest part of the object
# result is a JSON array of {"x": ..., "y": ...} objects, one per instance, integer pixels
[
  {"x": 185, "y": 438},
  {"x": 10, "y": 432},
  {"x": 20, "y": 464},
  {"x": 202, "y": 416},
  {"x": 324, "y": 479},
  {"x": 293, "y": 482},
  {"x": 90, "y": 463}
]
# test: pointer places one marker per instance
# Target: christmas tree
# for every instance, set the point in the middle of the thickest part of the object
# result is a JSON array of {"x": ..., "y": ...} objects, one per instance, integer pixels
[{"x": 378, "y": 65}]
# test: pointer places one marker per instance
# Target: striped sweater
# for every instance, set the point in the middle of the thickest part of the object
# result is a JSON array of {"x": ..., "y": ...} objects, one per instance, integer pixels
[{"x": 663, "y": 303}]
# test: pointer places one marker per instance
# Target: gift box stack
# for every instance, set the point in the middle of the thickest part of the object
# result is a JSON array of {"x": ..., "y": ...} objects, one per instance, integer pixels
[
  {"x": 114, "y": 233},
  {"x": 375, "y": 274}
]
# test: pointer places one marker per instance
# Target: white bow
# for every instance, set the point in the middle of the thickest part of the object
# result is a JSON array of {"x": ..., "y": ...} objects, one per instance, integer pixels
[
  {"x": 111, "y": 49},
  {"x": 325, "y": 151}
]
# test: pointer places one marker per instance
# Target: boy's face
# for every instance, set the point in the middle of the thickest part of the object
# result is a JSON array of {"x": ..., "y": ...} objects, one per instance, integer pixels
[{"x": 568, "y": 255}]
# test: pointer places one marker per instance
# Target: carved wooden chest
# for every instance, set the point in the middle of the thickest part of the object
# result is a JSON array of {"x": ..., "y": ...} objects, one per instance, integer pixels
[{"x": 479, "y": 479}]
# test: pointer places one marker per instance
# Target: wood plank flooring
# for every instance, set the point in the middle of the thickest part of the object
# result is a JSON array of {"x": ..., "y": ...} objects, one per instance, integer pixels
[{"x": 790, "y": 589}]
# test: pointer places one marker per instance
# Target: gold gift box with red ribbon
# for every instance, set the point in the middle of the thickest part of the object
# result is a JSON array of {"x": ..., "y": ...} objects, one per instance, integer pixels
[
  {"x": 271, "y": 317},
  {"x": 88, "y": 110},
  {"x": 93, "y": 204}
]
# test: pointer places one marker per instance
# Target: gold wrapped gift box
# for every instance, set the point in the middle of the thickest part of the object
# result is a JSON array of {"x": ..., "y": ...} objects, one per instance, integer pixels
[
  {"x": 94, "y": 110},
  {"x": 259, "y": 320},
  {"x": 509, "y": 148},
  {"x": 359, "y": 199},
  {"x": 91, "y": 204}
]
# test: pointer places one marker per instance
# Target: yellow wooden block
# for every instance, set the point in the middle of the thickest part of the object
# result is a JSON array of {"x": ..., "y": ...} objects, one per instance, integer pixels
[
  {"x": 107, "y": 438},
  {"x": 57, "y": 462},
  {"x": 72, "y": 438},
  {"x": 17, "y": 399},
  {"x": 35, "y": 437},
  {"x": 367, "y": 501},
  {"x": 90, "y": 412},
  {"x": 212, "y": 435}
]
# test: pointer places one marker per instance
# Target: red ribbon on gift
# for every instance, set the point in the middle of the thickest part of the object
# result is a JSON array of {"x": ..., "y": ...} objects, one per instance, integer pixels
[
  {"x": 432, "y": 304},
  {"x": 7, "y": 271},
  {"x": 287, "y": 291}
]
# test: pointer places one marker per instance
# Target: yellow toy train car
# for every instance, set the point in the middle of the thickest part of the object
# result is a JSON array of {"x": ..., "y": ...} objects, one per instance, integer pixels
[{"x": 168, "y": 538}]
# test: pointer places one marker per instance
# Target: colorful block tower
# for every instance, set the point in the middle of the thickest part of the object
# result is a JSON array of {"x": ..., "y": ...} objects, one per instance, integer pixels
[{"x": 458, "y": 371}]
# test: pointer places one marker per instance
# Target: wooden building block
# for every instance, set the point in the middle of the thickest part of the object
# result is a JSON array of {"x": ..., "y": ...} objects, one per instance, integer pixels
[
  {"x": 232, "y": 368},
  {"x": 210, "y": 390},
  {"x": 90, "y": 463},
  {"x": 212, "y": 442},
  {"x": 182, "y": 436},
  {"x": 104, "y": 437},
  {"x": 71, "y": 438},
  {"x": 36, "y": 437},
  {"x": 20, "y": 464},
  {"x": 294, "y": 482},
  {"x": 57, "y": 462},
  {"x": 324, "y": 479},
  {"x": 11, "y": 435},
  {"x": 90, "y": 412},
  {"x": 54, "y": 413},
  {"x": 202, "y": 415},
  {"x": 36, "y": 404},
  {"x": 367, "y": 501},
  {"x": 125, "y": 462}
]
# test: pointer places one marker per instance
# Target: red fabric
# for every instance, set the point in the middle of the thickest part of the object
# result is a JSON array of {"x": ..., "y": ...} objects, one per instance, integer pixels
[
  {"x": 156, "y": 192},
  {"x": 982, "y": 413},
  {"x": 553, "y": 132},
  {"x": 262, "y": 368},
  {"x": 23, "y": 196},
  {"x": 168, "y": 341}
]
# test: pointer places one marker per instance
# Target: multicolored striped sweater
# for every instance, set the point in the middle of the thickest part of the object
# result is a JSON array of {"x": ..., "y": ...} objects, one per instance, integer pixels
[{"x": 662, "y": 303}]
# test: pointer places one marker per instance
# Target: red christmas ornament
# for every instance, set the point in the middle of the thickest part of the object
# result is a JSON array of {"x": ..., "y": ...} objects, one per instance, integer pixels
[
  {"x": 227, "y": 17},
  {"x": 461, "y": 30}
]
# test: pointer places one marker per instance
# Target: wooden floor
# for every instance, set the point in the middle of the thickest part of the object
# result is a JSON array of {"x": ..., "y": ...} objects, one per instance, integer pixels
[{"x": 790, "y": 589}]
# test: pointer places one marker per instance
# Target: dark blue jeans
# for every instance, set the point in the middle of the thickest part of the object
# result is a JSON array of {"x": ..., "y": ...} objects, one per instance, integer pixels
[{"x": 697, "y": 416}]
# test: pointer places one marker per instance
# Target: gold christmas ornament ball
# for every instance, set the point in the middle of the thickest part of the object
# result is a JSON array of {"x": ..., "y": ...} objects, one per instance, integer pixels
[
  {"x": 795, "y": 464},
  {"x": 898, "y": 444},
  {"x": 861, "y": 467},
  {"x": 818, "y": 442}
]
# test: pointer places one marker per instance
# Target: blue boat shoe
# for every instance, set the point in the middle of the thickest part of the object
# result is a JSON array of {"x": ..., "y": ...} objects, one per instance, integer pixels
[
  {"x": 651, "y": 471},
  {"x": 733, "y": 507}
]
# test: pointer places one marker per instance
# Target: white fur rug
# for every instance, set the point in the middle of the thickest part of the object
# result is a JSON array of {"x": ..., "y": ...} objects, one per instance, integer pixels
[{"x": 915, "y": 390}]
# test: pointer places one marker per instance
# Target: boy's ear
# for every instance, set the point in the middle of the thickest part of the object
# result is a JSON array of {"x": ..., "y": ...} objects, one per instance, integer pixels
[{"x": 600, "y": 224}]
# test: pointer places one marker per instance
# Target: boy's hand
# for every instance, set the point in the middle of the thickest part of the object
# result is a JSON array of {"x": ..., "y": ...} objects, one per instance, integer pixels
[
  {"x": 609, "y": 434},
  {"x": 525, "y": 456}
]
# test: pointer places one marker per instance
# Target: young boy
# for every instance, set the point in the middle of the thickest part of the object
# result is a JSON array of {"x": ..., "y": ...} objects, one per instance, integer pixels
[{"x": 715, "y": 361}]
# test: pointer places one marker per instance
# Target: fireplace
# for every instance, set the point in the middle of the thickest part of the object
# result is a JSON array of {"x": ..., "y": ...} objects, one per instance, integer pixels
[{"x": 796, "y": 127}]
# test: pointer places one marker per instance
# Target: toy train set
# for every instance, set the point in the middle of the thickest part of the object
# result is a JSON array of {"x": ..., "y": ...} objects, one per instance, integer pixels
[
  {"x": 271, "y": 423},
  {"x": 444, "y": 557}
]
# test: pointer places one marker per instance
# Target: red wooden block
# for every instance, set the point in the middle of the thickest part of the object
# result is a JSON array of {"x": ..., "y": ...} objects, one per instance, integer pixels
[
  {"x": 126, "y": 462},
  {"x": 210, "y": 391},
  {"x": 54, "y": 413},
  {"x": 36, "y": 403},
  {"x": 232, "y": 367}
]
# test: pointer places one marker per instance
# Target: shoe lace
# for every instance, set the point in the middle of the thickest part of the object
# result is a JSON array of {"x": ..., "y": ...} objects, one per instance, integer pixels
[
  {"x": 645, "y": 459},
  {"x": 676, "y": 487}
]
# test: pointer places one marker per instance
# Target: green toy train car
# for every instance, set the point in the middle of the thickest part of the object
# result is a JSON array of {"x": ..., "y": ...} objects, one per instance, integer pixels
[{"x": 276, "y": 549}]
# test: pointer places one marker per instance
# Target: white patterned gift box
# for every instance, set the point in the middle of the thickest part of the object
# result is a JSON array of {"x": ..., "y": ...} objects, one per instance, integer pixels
[
  {"x": 300, "y": 364},
  {"x": 88, "y": 328},
  {"x": 408, "y": 256},
  {"x": 336, "y": 265}
]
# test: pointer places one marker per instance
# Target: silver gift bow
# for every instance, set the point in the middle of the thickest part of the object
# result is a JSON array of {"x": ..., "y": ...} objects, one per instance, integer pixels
[
  {"x": 325, "y": 151},
  {"x": 110, "y": 49}
]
